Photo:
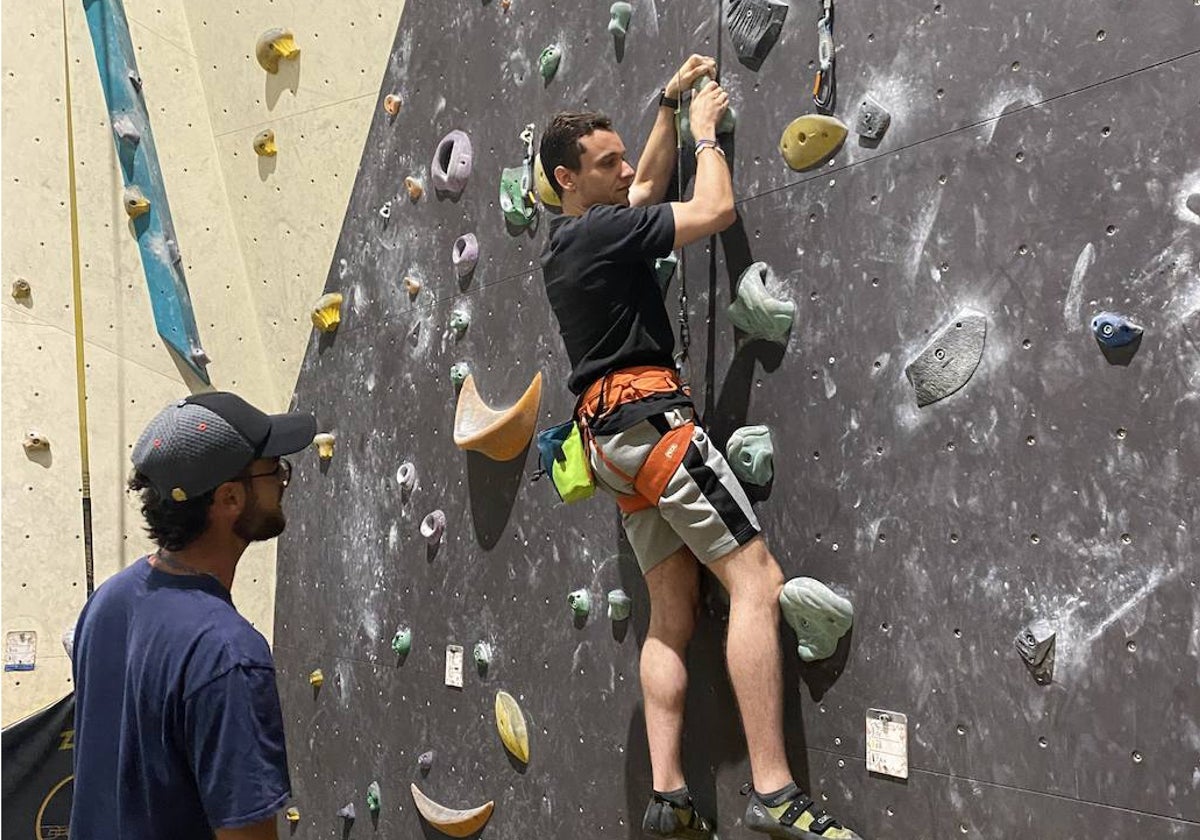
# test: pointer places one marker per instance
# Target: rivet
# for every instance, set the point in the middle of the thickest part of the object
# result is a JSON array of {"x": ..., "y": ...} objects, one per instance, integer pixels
[
  {"x": 1121, "y": 433},
  {"x": 1101, "y": 35},
  {"x": 1035, "y": 539},
  {"x": 1030, "y": 441},
  {"x": 1131, "y": 646},
  {"x": 1137, "y": 757}
]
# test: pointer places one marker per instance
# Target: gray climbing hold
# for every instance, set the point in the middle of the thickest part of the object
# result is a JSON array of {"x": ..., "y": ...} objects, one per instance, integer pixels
[
  {"x": 135, "y": 80},
  {"x": 726, "y": 126},
  {"x": 406, "y": 477},
  {"x": 1113, "y": 330},
  {"x": 346, "y": 812},
  {"x": 126, "y": 130},
  {"x": 1193, "y": 203},
  {"x": 1035, "y": 644},
  {"x": 818, "y": 615},
  {"x": 483, "y": 656},
  {"x": 755, "y": 312},
  {"x": 873, "y": 119},
  {"x": 751, "y": 454},
  {"x": 949, "y": 359},
  {"x": 425, "y": 761},
  {"x": 433, "y": 526},
  {"x": 619, "y": 605},
  {"x": 754, "y": 27},
  {"x": 452, "y": 163},
  {"x": 581, "y": 603}
]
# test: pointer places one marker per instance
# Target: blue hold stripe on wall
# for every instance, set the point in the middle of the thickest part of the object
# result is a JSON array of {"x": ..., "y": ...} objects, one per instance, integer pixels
[{"x": 161, "y": 261}]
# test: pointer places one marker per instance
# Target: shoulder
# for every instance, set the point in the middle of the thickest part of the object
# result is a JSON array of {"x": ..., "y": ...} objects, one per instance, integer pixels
[
  {"x": 620, "y": 216},
  {"x": 226, "y": 641}
]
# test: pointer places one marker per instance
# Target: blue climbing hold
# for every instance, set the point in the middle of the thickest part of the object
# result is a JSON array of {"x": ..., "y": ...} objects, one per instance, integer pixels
[{"x": 1115, "y": 330}]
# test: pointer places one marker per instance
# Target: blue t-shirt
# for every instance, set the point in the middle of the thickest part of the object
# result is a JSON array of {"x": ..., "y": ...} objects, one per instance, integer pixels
[{"x": 178, "y": 729}]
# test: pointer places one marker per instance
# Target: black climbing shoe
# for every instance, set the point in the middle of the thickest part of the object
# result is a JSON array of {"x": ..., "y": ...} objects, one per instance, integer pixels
[
  {"x": 666, "y": 817},
  {"x": 795, "y": 817}
]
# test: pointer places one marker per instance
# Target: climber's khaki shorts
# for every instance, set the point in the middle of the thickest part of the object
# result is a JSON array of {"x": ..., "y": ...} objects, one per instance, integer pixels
[{"x": 703, "y": 506}]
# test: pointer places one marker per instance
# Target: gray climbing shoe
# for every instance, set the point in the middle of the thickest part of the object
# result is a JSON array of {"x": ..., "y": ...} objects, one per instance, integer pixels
[
  {"x": 665, "y": 818},
  {"x": 797, "y": 818}
]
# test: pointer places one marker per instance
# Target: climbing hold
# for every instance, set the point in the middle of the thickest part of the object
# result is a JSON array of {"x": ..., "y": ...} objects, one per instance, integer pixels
[
  {"x": 619, "y": 605},
  {"x": 264, "y": 144},
  {"x": 1193, "y": 203},
  {"x": 385, "y": 212},
  {"x": 618, "y": 20},
  {"x": 459, "y": 373},
  {"x": 21, "y": 289},
  {"x": 136, "y": 203},
  {"x": 273, "y": 45},
  {"x": 402, "y": 641},
  {"x": 751, "y": 454},
  {"x": 415, "y": 190},
  {"x": 483, "y": 656},
  {"x": 873, "y": 119},
  {"x": 324, "y": 443},
  {"x": 510, "y": 720},
  {"x": 293, "y": 815},
  {"x": 755, "y": 312},
  {"x": 433, "y": 526},
  {"x": 664, "y": 270},
  {"x": 391, "y": 104},
  {"x": 811, "y": 140},
  {"x": 35, "y": 442},
  {"x": 406, "y": 476},
  {"x": 818, "y": 615},
  {"x": 754, "y": 27},
  {"x": 1035, "y": 644},
  {"x": 460, "y": 319},
  {"x": 545, "y": 192},
  {"x": 1115, "y": 330},
  {"x": 327, "y": 312},
  {"x": 412, "y": 285},
  {"x": 517, "y": 185},
  {"x": 452, "y": 823},
  {"x": 373, "y": 802},
  {"x": 465, "y": 254},
  {"x": 500, "y": 434},
  {"x": 581, "y": 603},
  {"x": 346, "y": 812},
  {"x": 949, "y": 359},
  {"x": 126, "y": 130},
  {"x": 548, "y": 61},
  {"x": 316, "y": 679},
  {"x": 135, "y": 80},
  {"x": 452, "y": 161},
  {"x": 425, "y": 761},
  {"x": 726, "y": 126}
]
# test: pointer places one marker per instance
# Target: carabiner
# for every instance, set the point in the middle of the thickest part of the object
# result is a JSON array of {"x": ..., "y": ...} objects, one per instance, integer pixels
[{"x": 823, "y": 83}]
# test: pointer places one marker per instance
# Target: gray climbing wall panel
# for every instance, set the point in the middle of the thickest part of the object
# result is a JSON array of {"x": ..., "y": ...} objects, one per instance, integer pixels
[{"x": 1037, "y": 169}]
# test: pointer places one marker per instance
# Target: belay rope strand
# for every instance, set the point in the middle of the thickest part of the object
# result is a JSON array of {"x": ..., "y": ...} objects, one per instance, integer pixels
[{"x": 77, "y": 297}]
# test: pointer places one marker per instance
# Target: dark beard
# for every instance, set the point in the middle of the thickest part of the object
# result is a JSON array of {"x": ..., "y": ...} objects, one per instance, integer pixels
[{"x": 255, "y": 526}]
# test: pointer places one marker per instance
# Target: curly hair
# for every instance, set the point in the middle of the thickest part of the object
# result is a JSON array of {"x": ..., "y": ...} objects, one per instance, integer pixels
[
  {"x": 172, "y": 525},
  {"x": 560, "y": 143}
]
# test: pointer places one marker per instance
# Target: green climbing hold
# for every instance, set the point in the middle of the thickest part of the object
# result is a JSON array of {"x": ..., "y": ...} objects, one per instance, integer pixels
[
  {"x": 664, "y": 270},
  {"x": 459, "y": 373},
  {"x": 548, "y": 61},
  {"x": 619, "y": 605},
  {"x": 483, "y": 655},
  {"x": 726, "y": 126},
  {"x": 818, "y": 615},
  {"x": 751, "y": 454},
  {"x": 373, "y": 797},
  {"x": 460, "y": 319},
  {"x": 580, "y": 603},
  {"x": 618, "y": 22},
  {"x": 755, "y": 312},
  {"x": 402, "y": 641},
  {"x": 516, "y": 203}
]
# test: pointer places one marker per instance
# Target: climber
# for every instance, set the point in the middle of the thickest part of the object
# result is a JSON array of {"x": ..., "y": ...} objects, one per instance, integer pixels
[
  {"x": 178, "y": 727},
  {"x": 681, "y": 505}
]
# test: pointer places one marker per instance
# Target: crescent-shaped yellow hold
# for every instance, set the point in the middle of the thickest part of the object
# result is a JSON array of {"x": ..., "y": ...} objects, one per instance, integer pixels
[
  {"x": 454, "y": 823},
  {"x": 510, "y": 720},
  {"x": 545, "y": 192},
  {"x": 499, "y": 434},
  {"x": 811, "y": 140}
]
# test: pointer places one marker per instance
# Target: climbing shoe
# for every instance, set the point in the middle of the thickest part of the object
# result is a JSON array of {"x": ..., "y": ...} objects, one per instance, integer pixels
[
  {"x": 792, "y": 814},
  {"x": 674, "y": 814}
]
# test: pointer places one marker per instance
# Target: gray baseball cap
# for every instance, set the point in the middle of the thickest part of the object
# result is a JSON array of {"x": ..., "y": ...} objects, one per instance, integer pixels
[{"x": 202, "y": 441}]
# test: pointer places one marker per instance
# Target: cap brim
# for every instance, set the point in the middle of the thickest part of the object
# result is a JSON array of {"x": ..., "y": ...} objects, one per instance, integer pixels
[{"x": 289, "y": 433}]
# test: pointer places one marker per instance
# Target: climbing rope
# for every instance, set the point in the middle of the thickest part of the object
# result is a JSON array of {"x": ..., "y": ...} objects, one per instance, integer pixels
[{"x": 77, "y": 297}]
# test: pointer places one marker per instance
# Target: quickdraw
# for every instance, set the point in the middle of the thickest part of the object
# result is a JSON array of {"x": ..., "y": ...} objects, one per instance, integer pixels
[{"x": 823, "y": 83}]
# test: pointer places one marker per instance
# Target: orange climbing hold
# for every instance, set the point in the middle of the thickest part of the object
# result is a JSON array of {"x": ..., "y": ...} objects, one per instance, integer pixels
[{"x": 500, "y": 435}]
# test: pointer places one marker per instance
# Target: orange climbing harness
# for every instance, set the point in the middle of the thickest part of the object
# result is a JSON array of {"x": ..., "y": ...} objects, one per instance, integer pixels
[{"x": 626, "y": 386}]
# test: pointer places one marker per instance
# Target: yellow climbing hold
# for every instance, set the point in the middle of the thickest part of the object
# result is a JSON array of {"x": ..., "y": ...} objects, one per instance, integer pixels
[
  {"x": 545, "y": 192},
  {"x": 136, "y": 203},
  {"x": 499, "y": 434},
  {"x": 324, "y": 443},
  {"x": 450, "y": 821},
  {"x": 327, "y": 313},
  {"x": 21, "y": 289},
  {"x": 511, "y": 723},
  {"x": 412, "y": 285},
  {"x": 415, "y": 190},
  {"x": 316, "y": 679},
  {"x": 293, "y": 815},
  {"x": 273, "y": 45},
  {"x": 392, "y": 103},
  {"x": 811, "y": 140},
  {"x": 264, "y": 144}
]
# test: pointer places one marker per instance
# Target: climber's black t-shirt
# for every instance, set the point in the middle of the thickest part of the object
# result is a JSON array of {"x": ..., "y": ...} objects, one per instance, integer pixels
[{"x": 599, "y": 274}]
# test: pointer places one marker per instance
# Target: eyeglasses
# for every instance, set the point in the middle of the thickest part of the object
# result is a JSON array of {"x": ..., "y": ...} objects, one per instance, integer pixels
[{"x": 283, "y": 469}]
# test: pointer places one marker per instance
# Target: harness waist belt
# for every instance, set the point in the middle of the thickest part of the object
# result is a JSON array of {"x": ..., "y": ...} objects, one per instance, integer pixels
[{"x": 628, "y": 385}]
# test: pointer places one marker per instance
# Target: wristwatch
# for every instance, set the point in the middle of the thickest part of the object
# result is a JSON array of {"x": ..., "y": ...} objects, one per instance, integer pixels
[
  {"x": 706, "y": 143},
  {"x": 665, "y": 101}
]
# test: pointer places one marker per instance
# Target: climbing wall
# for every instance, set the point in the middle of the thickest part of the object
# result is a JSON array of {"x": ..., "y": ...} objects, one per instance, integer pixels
[{"x": 1040, "y": 168}]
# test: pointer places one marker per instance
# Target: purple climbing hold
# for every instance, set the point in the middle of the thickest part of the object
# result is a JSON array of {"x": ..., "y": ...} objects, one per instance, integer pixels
[
  {"x": 451, "y": 166},
  {"x": 465, "y": 254},
  {"x": 425, "y": 761}
]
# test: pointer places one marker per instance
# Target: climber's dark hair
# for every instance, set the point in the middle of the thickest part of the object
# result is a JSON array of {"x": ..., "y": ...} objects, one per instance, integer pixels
[
  {"x": 560, "y": 142},
  {"x": 172, "y": 525}
]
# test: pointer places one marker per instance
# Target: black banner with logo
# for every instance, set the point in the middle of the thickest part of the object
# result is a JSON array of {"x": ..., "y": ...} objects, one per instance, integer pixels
[{"x": 37, "y": 753}]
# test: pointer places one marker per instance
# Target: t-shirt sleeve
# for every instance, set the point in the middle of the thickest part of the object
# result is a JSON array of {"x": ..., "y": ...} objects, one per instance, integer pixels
[
  {"x": 631, "y": 232},
  {"x": 234, "y": 728}
]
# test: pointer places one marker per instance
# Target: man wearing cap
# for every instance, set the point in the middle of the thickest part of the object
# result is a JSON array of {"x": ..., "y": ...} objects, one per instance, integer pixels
[{"x": 178, "y": 729}]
